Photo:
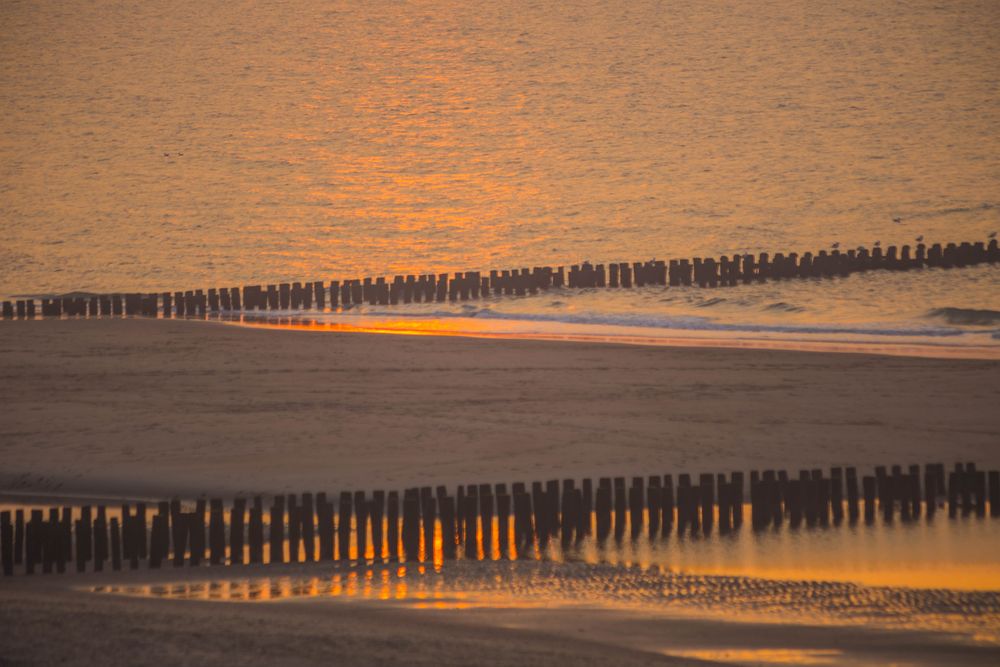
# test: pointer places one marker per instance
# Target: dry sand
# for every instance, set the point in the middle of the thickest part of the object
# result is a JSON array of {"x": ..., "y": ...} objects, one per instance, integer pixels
[{"x": 148, "y": 408}]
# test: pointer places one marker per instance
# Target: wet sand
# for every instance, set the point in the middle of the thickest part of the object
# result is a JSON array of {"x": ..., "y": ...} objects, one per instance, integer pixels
[
  {"x": 152, "y": 408},
  {"x": 59, "y": 620}
]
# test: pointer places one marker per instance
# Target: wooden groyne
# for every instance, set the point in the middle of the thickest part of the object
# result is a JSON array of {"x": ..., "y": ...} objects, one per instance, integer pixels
[
  {"x": 480, "y": 521},
  {"x": 709, "y": 272}
]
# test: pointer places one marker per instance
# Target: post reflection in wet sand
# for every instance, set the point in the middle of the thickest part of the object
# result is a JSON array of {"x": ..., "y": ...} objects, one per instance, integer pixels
[{"x": 650, "y": 590}]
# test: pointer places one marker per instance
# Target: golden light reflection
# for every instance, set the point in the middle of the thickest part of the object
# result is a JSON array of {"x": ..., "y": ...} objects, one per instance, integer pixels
[
  {"x": 778, "y": 656},
  {"x": 499, "y": 329}
]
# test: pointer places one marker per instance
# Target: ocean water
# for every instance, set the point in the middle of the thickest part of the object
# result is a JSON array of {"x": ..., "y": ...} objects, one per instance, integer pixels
[{"x": 154, "y": 146}]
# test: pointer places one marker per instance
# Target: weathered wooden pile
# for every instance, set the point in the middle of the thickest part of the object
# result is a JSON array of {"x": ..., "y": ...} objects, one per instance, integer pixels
[
  {"x": 318, "y": 295},
  {"x": 426, "y": 524}
]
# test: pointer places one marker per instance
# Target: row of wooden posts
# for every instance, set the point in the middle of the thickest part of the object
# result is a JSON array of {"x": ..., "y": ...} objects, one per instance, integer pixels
[
  {"x": 709, "y": 272},
  {"x": 296, "y": 525}
]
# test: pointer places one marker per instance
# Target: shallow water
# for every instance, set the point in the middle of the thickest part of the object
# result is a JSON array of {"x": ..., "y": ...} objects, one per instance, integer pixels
[{"x": 198, "y": 144}]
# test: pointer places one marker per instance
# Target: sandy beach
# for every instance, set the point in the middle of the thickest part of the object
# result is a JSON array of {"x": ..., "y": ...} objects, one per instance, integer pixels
[
  {"x": 153, "y": 408},
  {"x": 139, "y": 408}
]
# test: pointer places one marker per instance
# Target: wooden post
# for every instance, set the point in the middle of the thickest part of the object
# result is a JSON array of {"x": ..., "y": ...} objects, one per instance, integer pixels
[
  {"x": 837, "y": 493},
  {"x": 852, "y": 494},
  {"x": 324, "y": 527},
  {"x": 319, "y": 293},
  {"x": 197, "y": 526},
  {"x": 216, "y": 533},
  {"x": 914, "y": 491},
  {"x": 156, "y": 550},
  {"x": 448, "y": 542},
  {"x": 236, "y": 531},
  {"x": 540, "y": 509},
  {"x": 376, "y": 511},
  {"x": 361, "y": 524},
  {"x": 868, "y": 484},
  {"x": 635, "y": 506},
  {"x": 255, "y": 531},
  {"x": 954, "y": 483},
  {"x": 653, "y": 506},
  {"x": 471, "y": 525},
  {"x": 568, "y": 518},
  {"x": 503, "y": 525},
  {"x": 345, "y": 511},
  {"x": 736, "y": 497},
  {"x": 277, "y": 533},
  {"x": 603, "y": 511},
  {"x": 84, "y": 535},
  {"x": 966, "y": 487},
  {"x": 625, "y": 274},
  {"x": 428, "y": 514},
  {"x": 930, "y": 490},
  {"x": 116, "y": 545},
  {"x": 442, "y": 290},
  {"x": 334, "y": 294},
  {"x": 667, "y": 505},
  {"x": 810, "y": 496},
  {"x": 780, "y": 501},
  {"x": 307, "y": 519},
  {"x": 552, "y": 503},
  {"x": 62, "y": 536},
  {"x": 994, "y": 483},
  {"x": 159, "y": 544},
  {"x": 979, "y": 480},
  {"x": 794, "y": 502},
  {"x": 392, "y": 525},
  {"x": 586, "y": 506},
  {"x": 621, "y": 507},
  {"x": 523, "y": 530},
  {"x": 6, "y": 543},
  {"x": 486, "y": 518},
  {"x": 178, "y": 525},
  {"x": 411, "y": 527},
  {"x": 100, "y": 538},
  {"x": 18, "y": 537},
  {"x": 33, "y": 536},
  {"x": 758, "y": 516},
  {"x": 706, "y": 483}
]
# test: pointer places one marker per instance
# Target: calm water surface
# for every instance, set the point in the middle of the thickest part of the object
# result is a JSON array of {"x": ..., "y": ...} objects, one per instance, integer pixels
[{"x": 150, "y": 146}]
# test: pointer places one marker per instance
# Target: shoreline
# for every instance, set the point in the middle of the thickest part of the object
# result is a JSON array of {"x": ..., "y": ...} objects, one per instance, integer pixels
[
  {"x": 902, "y": 346},
  {"x": 151, "y": 408}
]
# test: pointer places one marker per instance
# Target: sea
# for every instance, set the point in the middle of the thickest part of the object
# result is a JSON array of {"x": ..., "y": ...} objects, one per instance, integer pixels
[{"x": 152, "y": 146}]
